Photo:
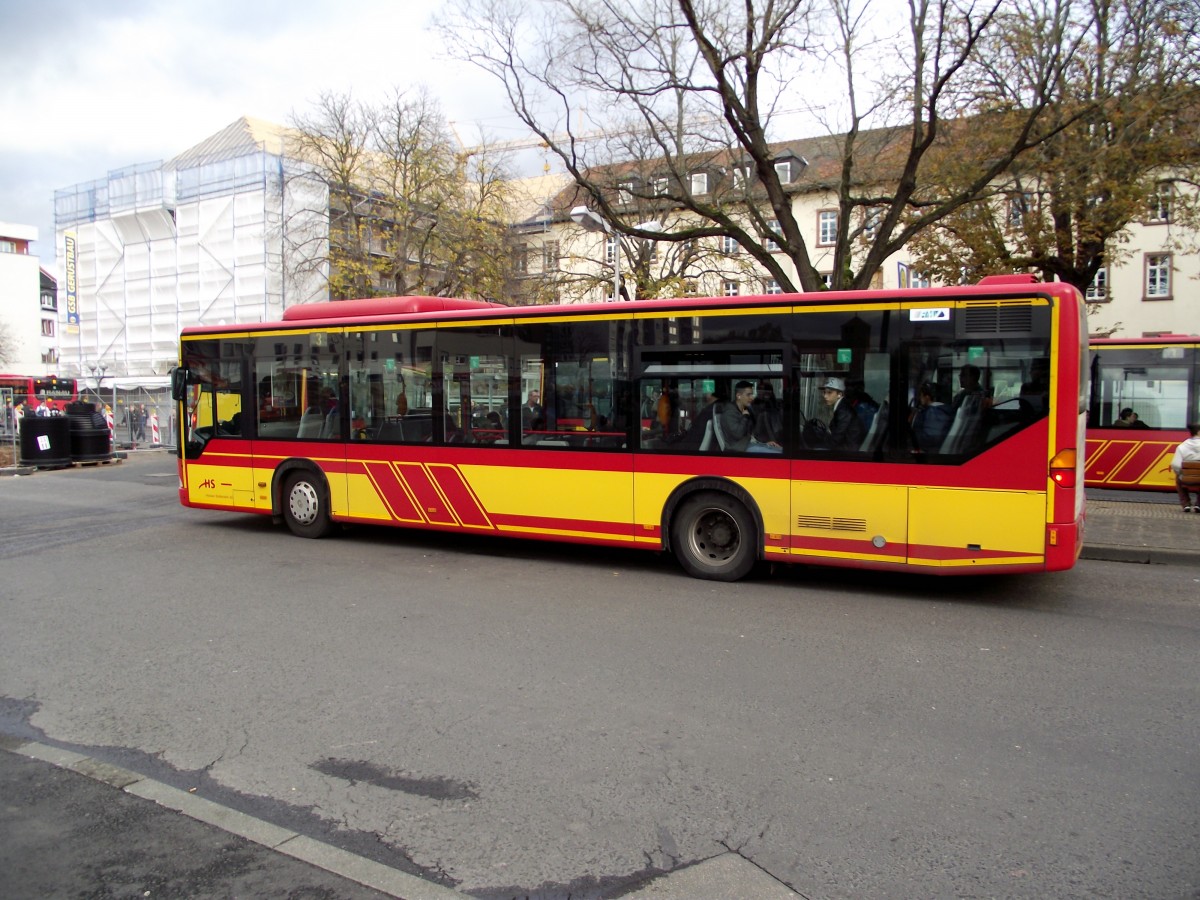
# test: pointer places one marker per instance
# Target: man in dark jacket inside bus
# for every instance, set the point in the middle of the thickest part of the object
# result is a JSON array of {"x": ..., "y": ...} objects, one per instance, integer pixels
[{"x": 845, "y": 428}]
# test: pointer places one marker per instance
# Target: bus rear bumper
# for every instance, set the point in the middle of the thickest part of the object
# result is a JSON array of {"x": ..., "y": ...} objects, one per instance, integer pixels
[{"x": 1064, "y": 543}]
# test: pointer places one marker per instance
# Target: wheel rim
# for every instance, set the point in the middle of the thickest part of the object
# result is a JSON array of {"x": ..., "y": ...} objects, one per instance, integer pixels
[
  {"x": 304, "y": 503},
  {"x": 714, "y": 537}
]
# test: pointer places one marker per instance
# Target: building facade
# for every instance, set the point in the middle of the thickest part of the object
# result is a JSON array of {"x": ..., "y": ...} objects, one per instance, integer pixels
[
  {"x": 198, "y": 239},
  {"x": 212, "y": 236},
  {"x": 1151, "y": 285},
  {"x": 27, "y": 304}
]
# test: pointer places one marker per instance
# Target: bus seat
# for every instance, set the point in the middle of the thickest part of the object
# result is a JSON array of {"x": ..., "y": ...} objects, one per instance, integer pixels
[
  {"x": 391, "y": 431},
  {"x": 964, "y": 430},
  {"x": 877, "y": 431},
  {"x": 706, "y": 441},
  {"x": 332, "y": 426},
  {"x": 310, "y": 424},
  {"x": 717, "y": 430}
]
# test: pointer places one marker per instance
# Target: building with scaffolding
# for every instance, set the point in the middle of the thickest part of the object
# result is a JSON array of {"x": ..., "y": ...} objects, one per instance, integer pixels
[{"x": 197, "y": 239}]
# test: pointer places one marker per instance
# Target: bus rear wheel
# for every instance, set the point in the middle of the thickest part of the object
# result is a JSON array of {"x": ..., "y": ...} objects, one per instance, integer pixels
[
  {"x": 305, "y": 508},
  {"x": 714, "y": 537}
]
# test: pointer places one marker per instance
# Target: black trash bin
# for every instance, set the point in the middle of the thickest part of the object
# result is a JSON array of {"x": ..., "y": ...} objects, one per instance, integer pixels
[
  {"x": 89, "y": 442},
  {"x": 46, "y": 442}
]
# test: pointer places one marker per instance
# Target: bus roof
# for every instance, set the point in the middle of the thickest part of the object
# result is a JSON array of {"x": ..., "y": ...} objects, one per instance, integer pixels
[
  {"x": 1156, "y": 339},
  {"x": 370, "y": 311}
]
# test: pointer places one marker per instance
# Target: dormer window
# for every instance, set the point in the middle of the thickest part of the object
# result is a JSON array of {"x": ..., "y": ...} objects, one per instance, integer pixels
[
  {"x": 659, "y": 187},
  {"x": 789, "y": 166},
  {"x": 742, "y": 176},
  {"x": 625, "y": 191},
  {"x": 699, "y": 182}
]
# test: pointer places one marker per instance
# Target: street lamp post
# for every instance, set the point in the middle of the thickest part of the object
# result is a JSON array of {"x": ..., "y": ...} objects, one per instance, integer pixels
[
  {"x": 589, "y": 221},
  {"x": 97, "y": 370}
]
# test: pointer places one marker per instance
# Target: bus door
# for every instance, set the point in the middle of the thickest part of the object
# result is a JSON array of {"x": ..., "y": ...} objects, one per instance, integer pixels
[
  {"x": 846, "y": 503},
  {"x": 975, "y": 378},
  {"x": 216, "y": 461}
]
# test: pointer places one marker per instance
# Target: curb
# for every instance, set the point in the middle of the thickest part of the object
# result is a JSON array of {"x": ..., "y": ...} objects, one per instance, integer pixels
[
  {"x": 1144, "y": 555},
  {"x": 332, "y": 859}
]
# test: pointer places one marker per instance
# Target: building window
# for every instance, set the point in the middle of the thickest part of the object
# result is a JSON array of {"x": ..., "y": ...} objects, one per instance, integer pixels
[
  {"x": 918, "y": 279},
  {"x": 1018, "y": 206},
  {"x": 729, "y": 245},
  {"x": 610, "y": 250},
  {"x": 772, "y": 286},
  {"x": 699, "y": 182},
  {"x": 827, "y": 280},
  {"x": 1160, "y": 204},
  {"x": 872, "y": 216},
  {"x": 1097, "y": 291},
  {"x": 827, "y": 225},
  {"x": 47, "y": 328},
  {"x": 769, "y": 243},
  {"x": 690, "y": 287},
  {"x": 741, "y": 177},
  {"x": 8, "y": 246},
  {"x": 659, "y": 187},
  {"x": 730, "y": 288},
  {"x": 625, "y": 192},
  {"x": 1158, "y": 276},
  {"x": 550, "y": 256},
  {"x": 521, "y": 259}
]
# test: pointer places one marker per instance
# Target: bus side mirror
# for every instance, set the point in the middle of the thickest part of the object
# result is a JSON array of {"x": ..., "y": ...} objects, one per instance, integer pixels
[{"x": 178, "y": 384}]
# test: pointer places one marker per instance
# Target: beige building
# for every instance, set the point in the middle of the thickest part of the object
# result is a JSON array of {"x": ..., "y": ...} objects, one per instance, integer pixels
[{"x": 1151, "y": 286}]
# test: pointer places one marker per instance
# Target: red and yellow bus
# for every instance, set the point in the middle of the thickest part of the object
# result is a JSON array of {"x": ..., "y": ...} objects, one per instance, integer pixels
[
  {"x": 1144, "y": 392},
  {"x": 28, "y": 388},
  {"x": 951, "y": 446}
]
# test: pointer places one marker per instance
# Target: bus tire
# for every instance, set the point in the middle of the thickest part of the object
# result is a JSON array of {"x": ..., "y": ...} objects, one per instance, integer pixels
[
  {"x": 714, "y": 537},
  {"x": 305, "y": 504}
]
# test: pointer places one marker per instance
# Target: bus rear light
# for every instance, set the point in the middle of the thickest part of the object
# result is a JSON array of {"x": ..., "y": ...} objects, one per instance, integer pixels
[{"x": 1062, "y": 469}]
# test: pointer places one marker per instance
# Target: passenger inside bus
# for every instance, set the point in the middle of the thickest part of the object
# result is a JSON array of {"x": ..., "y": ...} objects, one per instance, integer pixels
[
  {"x": 768, "y": 417},
  {"x": 930, "y": 420},
  {"x": 1129, "y": 419},
  {"x": 846, "y": 430},
  {"x": 734, "y": 423}
]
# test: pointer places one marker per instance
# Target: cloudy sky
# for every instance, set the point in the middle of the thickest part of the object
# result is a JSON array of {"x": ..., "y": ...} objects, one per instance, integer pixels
[{"x": 87, "y": 87}]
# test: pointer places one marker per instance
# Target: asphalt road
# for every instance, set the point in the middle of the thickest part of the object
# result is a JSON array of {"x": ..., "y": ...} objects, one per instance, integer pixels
[{"x": 522, "y": 719}]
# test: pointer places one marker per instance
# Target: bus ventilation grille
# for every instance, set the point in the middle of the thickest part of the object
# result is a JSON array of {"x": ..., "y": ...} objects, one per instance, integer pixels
[
  {"x": 998, "y": 319},
  {"x": 831, "y": 523}
]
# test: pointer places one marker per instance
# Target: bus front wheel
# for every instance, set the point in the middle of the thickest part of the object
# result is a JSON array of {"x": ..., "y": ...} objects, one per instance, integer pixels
[
  {"x": 713, "y": 536},
  {"x": 305, "y": 508}
]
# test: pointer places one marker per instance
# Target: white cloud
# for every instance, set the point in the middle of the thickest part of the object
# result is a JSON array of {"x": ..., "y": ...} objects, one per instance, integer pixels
[{"x": 85, "y": 88}]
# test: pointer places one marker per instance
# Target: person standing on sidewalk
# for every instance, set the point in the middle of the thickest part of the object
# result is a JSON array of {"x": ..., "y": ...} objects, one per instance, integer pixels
[{"x": 1186, "y": 466}]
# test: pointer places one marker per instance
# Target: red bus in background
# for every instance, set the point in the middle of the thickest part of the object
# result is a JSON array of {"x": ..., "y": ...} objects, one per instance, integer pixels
[
  {"x": 56, "y": 391},
  {"x": 1144, "y": 391}
]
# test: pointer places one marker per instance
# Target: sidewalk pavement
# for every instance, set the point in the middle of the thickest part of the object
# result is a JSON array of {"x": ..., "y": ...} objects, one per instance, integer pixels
[
  {"x": 1140, "y": 527},
  {"x": 71, "y": 825}
]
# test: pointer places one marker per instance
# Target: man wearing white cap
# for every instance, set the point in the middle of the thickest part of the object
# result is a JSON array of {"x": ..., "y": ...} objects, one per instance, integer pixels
[{"x": 845, "y": 428}]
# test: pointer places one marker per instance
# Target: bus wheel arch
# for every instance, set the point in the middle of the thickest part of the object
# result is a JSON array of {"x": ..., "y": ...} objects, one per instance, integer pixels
[
  {"x": 301, "y": 499},
  {"x": 714, "y": 528}
]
